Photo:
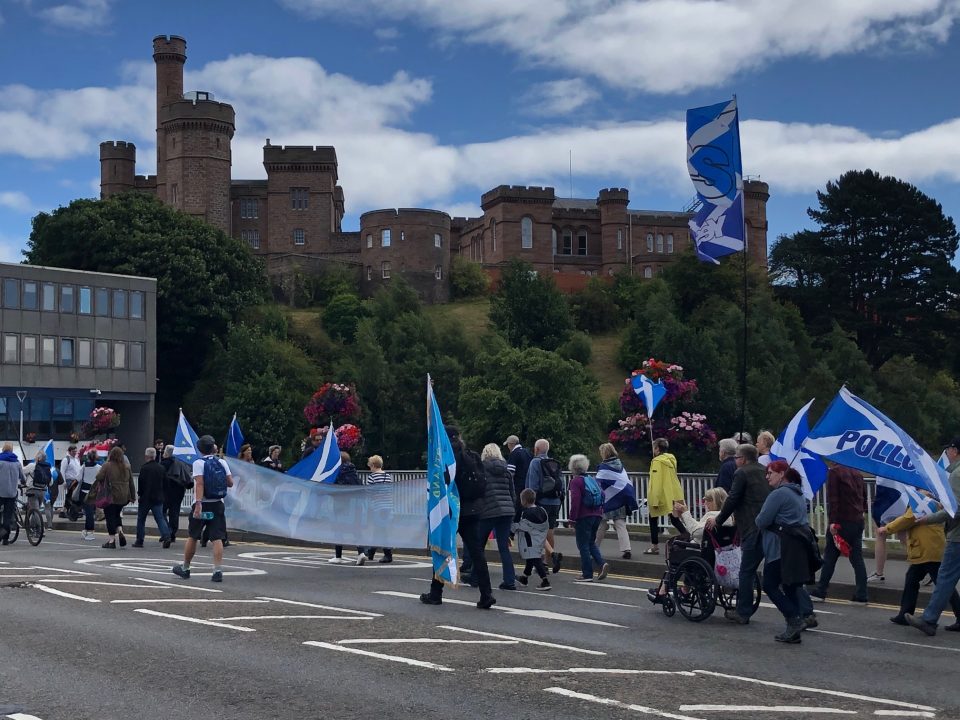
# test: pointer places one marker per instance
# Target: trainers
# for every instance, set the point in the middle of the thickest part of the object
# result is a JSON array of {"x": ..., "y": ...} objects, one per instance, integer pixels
[
  {"x": 523, "y": 580},
  {"x": 920, "y": 624},
  {"x": 557, "y": 559},
  {"x": 166, "y": 543},
  {"x": 338, "y": 561},
  {"x": 487, "y": 602},
  {"x": 953, "y": 628},
  {"x": 428, "y": 599},
  {"x": 180, "y": 572},
  {"x": 385, "y": 559},
  {"x": 898, "y": 620},
  {"x": 88, "y": 535},
  {"x": 583, "y": 580},
  {"x": 818, "y": 596},
  {"x": 735, "y": 617},
  {"x": 507, "y": 586},
  {"x": 361, "y": 559},
  {"x": 626, "y": 555},
  {"x": 137, "y": 545},
  {"x": 217, "y": 576},
  {"x": 789, "y": 636},
  {"x": 876, "y": 578},
  {"x": 545, "y": 585},
  {"x": 604, "y": 571},
  {"x": 810, "y": 622}
]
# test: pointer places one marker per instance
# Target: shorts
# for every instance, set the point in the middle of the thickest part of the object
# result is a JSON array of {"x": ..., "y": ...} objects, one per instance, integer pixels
[
  {"x": 553, "y": 513},
  {"x": 216, "y": 528}
]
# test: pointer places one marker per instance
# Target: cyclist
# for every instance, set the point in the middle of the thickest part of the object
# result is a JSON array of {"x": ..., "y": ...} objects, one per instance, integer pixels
[
  {"x": 11, "y": 477},
  {"x": 38, "y": 479}
]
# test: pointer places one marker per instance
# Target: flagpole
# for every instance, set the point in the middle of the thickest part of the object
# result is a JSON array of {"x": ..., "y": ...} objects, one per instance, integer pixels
[{"x": 746, "y": 247}]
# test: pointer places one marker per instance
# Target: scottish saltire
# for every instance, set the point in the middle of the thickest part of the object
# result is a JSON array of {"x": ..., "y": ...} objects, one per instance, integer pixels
[
  {"x": 649, "y": 391},
  {"x": 713, "y": 160},
  {"x": 48, "y": 451},
  {"x": 944, "y": 460},
  {"x": 323, "y": 464},
  {"x": 234, "y": 438},
  {"x": 789, "y": 447},
  {"x": 185, "y": 441},
  {"x": 443, "y": 500},
  {"x": 909, "y": 497},
  {"x": 854, "y": 433},
  {"x": 615, "y": 484}
]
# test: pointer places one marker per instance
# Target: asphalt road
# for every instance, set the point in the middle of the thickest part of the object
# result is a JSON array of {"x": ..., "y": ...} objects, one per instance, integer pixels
[{"x": 92, "y": 633}]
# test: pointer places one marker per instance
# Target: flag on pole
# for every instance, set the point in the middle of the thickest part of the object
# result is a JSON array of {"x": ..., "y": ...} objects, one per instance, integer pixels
[
  {"x": 51, "y": 460},
  {"x": 234, "y": 438},
  {"x": 649, "y": 391},
  {"x": 854, "y": 433},
  {"x": 907, "y": 497},
  {"x": 443, "y": 500},
  {"x": 789, "y": 447},
  {"x": 713, "y": 160},
  {"x": 185, "y": 441},
  {"x": 323, "y": 464}
]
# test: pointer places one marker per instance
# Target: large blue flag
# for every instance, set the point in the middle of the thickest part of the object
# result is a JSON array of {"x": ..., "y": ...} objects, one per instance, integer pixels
[
  {"x": 234, "y": 438},
  {"x": 443, "y": 501},
  {"x": 48, "y": 451},
  {"x": 649, "y": 391},
  {"x": 323, "y": 464},
  {"x": 789, "y": 447},
  {"x": 906, "y": 497},
  {"x": 854, "y": 433},
  {"x": 185, "y": 441},
  {"x": 713, "y": 160}
]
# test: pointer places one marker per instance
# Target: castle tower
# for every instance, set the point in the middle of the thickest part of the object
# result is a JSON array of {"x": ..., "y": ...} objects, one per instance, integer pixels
[
  {"x": 755, "y": 196},
  {"x": 117, "y": 167},
  {"x": 169, "y": 55},
  {"x": 304, "y": 202},
  {"x": 614, "y": 227}
]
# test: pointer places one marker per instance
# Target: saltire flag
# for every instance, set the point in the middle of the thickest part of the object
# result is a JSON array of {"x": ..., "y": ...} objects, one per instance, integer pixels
[
  {"x": 854, "y": 433},
  {"x": 234, "y": 438},
  {"x": 908, "y": 498},
  {"x": 713, "y": 160},
  {"x": 616, "y": 485},
  {"x": 789, "y": 447},
  {"x": 649, "y": 391},
  {"x": 51, "y": 460},
  {"x": 443, "y": 500},
  {"x": 944, "y": 460},
  {"x": 323, "y": 464},
  {"x": 185, "y": 441}
]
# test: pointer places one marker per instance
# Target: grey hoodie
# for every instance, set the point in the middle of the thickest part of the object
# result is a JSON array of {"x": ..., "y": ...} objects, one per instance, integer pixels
[{"x": 11, "y": 474}]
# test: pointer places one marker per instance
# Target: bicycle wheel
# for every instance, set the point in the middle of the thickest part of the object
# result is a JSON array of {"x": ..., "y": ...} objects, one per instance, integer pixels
[
  {"x": 15, "y": 529},
  {"x": 34, "y": 527}
]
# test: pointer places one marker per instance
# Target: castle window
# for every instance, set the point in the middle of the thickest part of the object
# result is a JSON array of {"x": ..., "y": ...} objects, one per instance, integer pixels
[
  {"x": 249, "y": 208},
  {"x": 369, "y": 272},
  {"x": 582, "y": 242},
  {"x": 174, "y": 194},
  {"x": 299, "y": 237},
  {"x": 659, "y": 243},
  {"x": 648, "y": 272},
  {"x": 526, "y": 233},
  {"x": 251, "y": 237},
  {"x": 173, "y": 142},
  {"x": 649, "y": 242},
  {"x": 567, "y": 248},
  {"x": 619, "y": 238},
  {"x": 369, "y": 243},
  {"x": 401, "y": 236},
  {"x": 438, "y": 272},
  {"x": 218, "y": 143},
  {"x": 493, "y": 234},
  {"x": 299, "y": 198},
  {"x": 437, "y": 240},
  {"x": 385, "y": 269},
  {"x": 670, "y": 244},
  {"x": 385, "y": 237}
]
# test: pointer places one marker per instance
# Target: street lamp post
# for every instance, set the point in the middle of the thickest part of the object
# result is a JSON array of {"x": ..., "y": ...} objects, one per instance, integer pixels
[{"x": 21, "y": 396}]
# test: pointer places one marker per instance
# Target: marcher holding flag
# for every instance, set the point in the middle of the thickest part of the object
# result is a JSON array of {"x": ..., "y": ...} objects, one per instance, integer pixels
[{"x": 234, "y": 438}]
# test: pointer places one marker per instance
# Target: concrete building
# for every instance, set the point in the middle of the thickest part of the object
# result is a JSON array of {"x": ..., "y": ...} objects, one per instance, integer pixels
[{"x": 70, "y": 341}]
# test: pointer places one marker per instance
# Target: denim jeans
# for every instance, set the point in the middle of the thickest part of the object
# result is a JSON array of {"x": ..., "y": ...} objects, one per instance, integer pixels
[
  {"x": 947, "y": 579},
  {"x": 785, "y": 597},
  {"x": 501, "y": 528},
  {"x": 142, "y": 511},
  {"x": 89, "y": 516},
  {"x": 752, "y": 556},
  {"x": 852, "y": 532},
  {"x": 587, "y": 544}
]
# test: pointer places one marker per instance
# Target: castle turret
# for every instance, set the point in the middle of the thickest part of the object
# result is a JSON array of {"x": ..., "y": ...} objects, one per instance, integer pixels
[
  {"x": 755, "y": 196},
  {"x": 169, "y": 55},
  {"x": 614, "y": 227},
  {"x": 117, "y": 167}
]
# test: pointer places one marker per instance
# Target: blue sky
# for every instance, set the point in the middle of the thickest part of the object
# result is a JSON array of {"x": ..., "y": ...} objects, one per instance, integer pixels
[{"x": 430, "y": 103}]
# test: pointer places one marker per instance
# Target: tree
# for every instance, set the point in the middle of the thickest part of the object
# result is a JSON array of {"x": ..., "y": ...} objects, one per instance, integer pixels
[
  {"x": 880, "y": 265},
  {"x": 528, "y": 309},
  {"x": 341, "y": 316},
  {"x": 594, "y": 309},
  {"x": 204, "y": 277},
  {"x": 467, "y": 278}
]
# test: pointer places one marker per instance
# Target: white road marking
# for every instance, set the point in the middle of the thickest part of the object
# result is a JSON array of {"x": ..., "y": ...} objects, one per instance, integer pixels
[
  {"x": 584, "y": 671},
  {"x": 321, "y": 607},
  {"x": 643, "y": 590},
  {"x": 892, "y": 642},
  {"x": 161, "y": 566},
  {"x": 766, "y": 709},
  {"x": 616, "y": 703},
  {"x": 835, "y": 693},
  {"x": 179, "y": 586},
  {"x": 423, "y": 641},
  {"x": 97, "y": 582},
  {"x": 317, "y": 560},
  {"x": 63, "y": 570},
  {"x": 904, "y": 713},
  {"x": 560, "y": 597},
  {"x": 543, "y": 614},
  {"x": 182, "y": 600},
  {"x": 61, "y": 593},
  {"x": 539, "y": 643},
  {"x": 294, "y": 617},
  {"x": 22, "y": 716},
  {"x": 380, "y": 656},
  {"x": 198, "y": 621}
]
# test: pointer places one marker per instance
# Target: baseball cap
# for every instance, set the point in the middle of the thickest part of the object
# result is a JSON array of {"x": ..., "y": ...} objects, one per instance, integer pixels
[
  {"x": 955, "y": 443},
  {"x": 512, "y": 440}
]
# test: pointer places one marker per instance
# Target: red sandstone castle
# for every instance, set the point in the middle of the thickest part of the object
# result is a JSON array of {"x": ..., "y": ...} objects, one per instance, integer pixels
[{"x": 293, "y": 218}]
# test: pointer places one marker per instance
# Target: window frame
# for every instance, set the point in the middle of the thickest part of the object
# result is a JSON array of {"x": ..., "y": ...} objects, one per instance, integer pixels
[
  {"x": 48, "y": 357},
  {"x": 97, "y": 309},
  {"x": 140, "y": 353},
  {"x": 369, "y": 240},
  {"x": 526, "y": 233},
  {"x": 36, "y": 295},
  {"x": 119, "y": 294},
  {"x": 81, "y": 343},
  {"x": 619, "y": 238},
  {"x": 64, "y": 342},
  {"x": 386, "y": 237},
  {"x": 119, "y": 346},
  {"x": 65, "y": 290},
  {"x": 89, "y": 294},
  {"x": 438, "y": 272},
  {"x": 48, "y": 290},
  {"x": 23, "y": 349},
  {"x": 647, "y": 272},
  {"x": 299, "y": 198},
  {"x": 142, "y": 299},
  {"x": 15, "y": 337},
  {"x": 249, "y": 208},
  {"x": 670, "y": 244},
  {"x": 650, "y": 242},
  {"x": 566, "y": 241},
  {"x": 659, "y": 243},
  {"x": 299, "y": 237},
  {"x": 97, "y": 345},
  {"x": 14, "y": 285},
  {"x": 385, "y": 269},
  {"x": 583, "y": 242},
  {"x": 438, "y": 241}
]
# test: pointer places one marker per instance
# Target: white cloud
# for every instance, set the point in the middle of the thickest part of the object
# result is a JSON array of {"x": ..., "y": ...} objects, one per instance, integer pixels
[
  {"x": 559, "y": 97},
  {"x": 15, "y": 200},
  {"x": 10, "y": 249},
  {"x": 666, "y": 46},
  {"x": 80, "y": 15},
  {"x": 387, "y": 33}
]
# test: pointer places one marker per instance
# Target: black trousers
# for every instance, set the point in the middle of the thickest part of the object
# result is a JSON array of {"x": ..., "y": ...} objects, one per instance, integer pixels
[
  {"x": 911, "y": 588},
  {"x": 655, "y": 528},
  {"x": 7, "y": 506},
  {"x": 535, "y": 564},
  {"x": 172, "y": 499},
  {"x": 471, "y": 539}
]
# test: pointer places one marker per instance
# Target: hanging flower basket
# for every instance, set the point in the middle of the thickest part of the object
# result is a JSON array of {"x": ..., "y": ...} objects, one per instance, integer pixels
[{"x": 333, "y": 400}]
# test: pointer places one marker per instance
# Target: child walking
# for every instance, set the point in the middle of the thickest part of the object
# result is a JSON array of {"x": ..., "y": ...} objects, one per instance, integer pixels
[{"x": 531, "y": 534}]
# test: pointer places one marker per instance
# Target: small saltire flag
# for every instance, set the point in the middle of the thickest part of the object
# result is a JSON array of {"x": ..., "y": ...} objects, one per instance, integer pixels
[
  {"x": 323, "y": 464},
  {"x": 185, "y": 441},
  {"x": 713, "y": 160},
  {"x": 789, "y": 447},
  {"x": 854, "y": 433},
  {"x": 908, "y": 497},
  {"x": 944, "y": 460},
  {"x": 649, "y": 391},
  {"x": 443, "y": 500},
  {"x": 234, "y": 438},
  {"x": 48, "y": 451}
]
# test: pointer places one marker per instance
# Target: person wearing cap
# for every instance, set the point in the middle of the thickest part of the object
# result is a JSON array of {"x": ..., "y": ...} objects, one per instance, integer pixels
[
  {"x": 518, "y": 462},
  {"x": 272, "y": 460},
  {"x": 949, "y": 572}
]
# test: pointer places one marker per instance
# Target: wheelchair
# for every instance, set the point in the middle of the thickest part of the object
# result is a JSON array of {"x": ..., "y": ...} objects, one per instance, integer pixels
[{"x": 691, "y": 583}]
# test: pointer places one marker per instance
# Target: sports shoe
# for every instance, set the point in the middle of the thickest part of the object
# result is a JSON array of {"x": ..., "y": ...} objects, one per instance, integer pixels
[
  {"x": 217, "y": 576},
  {"x": 899, "y": 620},
  {"x": 583, "y": 580},
  {"x": 876, "y": 578},
  {"x": 88, "y": 535},
  {"x": 523, "y": 580},
  {"x": 557, "y": 559},
  {"x": 428, "y": 599},
  {"x": 339, "y": 561},
  {"x": 487, "y": 602},
  {"x": 920, "y": 624},
  {"x": 735, "y": 617},
  {"x": 789, "y": 636},
  {"x": 180, "y": 572},
  {"x": 626, "y": 555},
  {"x": 544, "y": 585},
  {"x": 810, "y": 622},
  {"x": 655, "y": 597},
  {"x": 953, "y": 628},
  {"x": 110, "y": 545},
  {"x": 604, "y": 571},
  {"x": 361, "y": 559},
  {"x": 818, "y": 596},
  {"x": 166, "y": 543},
  {"x": 507, "y": 586},
  {"x": 137, "y": 545}
]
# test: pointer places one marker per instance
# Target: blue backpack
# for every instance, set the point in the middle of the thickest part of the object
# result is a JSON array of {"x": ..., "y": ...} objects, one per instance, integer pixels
[
  {"x": 214, "y": 479},
  {"x": 592, "y": 494}
]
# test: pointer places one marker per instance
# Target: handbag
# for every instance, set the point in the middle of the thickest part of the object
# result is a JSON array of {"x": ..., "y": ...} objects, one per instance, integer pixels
[
  {"x": 726, "y": 565},
  {"x": 102, "y": 496}
]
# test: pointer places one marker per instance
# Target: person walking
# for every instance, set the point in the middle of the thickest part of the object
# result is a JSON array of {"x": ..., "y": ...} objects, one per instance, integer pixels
[
  {"x": 88, "y": 475},
  {"x": 150, "y": 494},
  {"x": 531, "y": 534},
  {"x": 382, "y": 505},
  {"x": 347, "y": 475},
  {"x": 497, "y": 515},
  {"x": 727, "y": 448},
  {"x": 663, "y": 490},
  {"x": 39, "y": 479},
  {"x": 518, "y": 462},
  {"x": 11, "y": 478},
  {"x": 69, "y": 474},
  {"x": 586, "y": 512},
  {"x": 116, "y": 475},
  {"x": 619, "y": 498},
  {"x": 544, "y": 478},
  {"x": 846, "y": 505},
  {"x": 176, "y": 481}
]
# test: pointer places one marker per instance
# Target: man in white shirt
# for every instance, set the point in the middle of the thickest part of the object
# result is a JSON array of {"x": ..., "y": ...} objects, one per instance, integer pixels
[{"x": 70, "y": 470}]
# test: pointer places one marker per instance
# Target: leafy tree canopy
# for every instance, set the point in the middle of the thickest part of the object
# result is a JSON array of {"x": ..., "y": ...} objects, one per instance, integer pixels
[
  {"x": 528, "y": 309},
  {"x": 467, "y": 278}
]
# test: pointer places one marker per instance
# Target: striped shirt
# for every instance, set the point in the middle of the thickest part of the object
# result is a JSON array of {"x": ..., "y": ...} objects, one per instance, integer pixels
[{"x": 376, "y": 478}]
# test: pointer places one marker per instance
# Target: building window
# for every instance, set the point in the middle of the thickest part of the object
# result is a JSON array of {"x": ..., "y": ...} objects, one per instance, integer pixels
[
  {"x": 553, "y": 238},
  {"x": 648, "y": 272},
  {"x": 66, "y": 352},
  {"x": 299, "y": 198},
  {"x": 526, "y": 233},
  {"x": 369, "y": 241},
  {"x": 136, "y": 356},
  {"x": 174, "y": 194},
  {"x": 249, "y": 208},
  {"x": 119, "y": 303},
  {"x": 86, "y": 301},
  {"x": 438, "y": 272},
  {"x": 567, "y": 248},
  {"x": 670, "y": 244},
  {"x": 299, "y": 238},
  {"x": 29, "y": 295},
  {"x": 84, "y": 353},
  {"x": 649, "y": 242},
  {"x": 251, "y": 237},
  {"x": 582, "y": 242},
  {"x": 48, "y": 298},
  {"x": 119, "y": 355},
  {"x": 67, "y": 299},
  {"x": 385, "y": 269},
  {"x": 11, "y": 293},
  {"x": 29, "y": 349},
  {"x": 136, "y": 305},
  {"x": 369, "y": 272},
  {"x": 103, "y": 303},
  {"x": 619, "y": 238},
  {"x": 101, "y": 357},
  {"x": 10, "y": 343},
  {"x": 659, "y": 243},
  {"x": 48, "y": 351},
  {"x": 385, "y": 237},
  {"x": 401, "y": 236},
  {"x": 493, "y": 234},
  {"x": 438, "y": 241}
]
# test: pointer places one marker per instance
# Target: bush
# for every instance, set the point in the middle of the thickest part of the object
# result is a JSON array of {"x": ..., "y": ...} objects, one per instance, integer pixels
[
  {"x": 341, "y": 316},
  {"x": 578, "y": 348},
  {"x": 467, "y": 278}
]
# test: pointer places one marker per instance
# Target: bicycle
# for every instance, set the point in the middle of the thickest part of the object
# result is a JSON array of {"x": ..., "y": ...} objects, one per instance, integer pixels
[{"x": 27, "y": 518}]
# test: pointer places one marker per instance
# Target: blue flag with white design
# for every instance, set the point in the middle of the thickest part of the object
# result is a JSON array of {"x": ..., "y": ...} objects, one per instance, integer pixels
[
  {"x": 909, "y": 497},
  {"x": 234, "y": 438},
  {"x": 323, "y": 464},
  {"x": 854, "y": 433},
  {"x": 649, "y": 391},
  {"x": 48, "y": 451},
  {"x": 185, "y": 441},
  {"x": 443, "y": 500},
  {"x": 789, "y": 447},
  {"x": 713, "y": 160}
]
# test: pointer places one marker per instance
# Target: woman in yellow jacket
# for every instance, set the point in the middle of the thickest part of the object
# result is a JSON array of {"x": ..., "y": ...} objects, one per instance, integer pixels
[
  {"x": 662, "y": 491},
  {"x": 925, "y": 545}
]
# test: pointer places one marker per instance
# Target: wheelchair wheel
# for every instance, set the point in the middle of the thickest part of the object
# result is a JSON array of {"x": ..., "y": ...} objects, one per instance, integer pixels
[
  {"x": 669, "y": 609},
  {"x": 33, "y": 523},
  {"x": 693, "y": 593},
  {"x": 727, "y": 597}
]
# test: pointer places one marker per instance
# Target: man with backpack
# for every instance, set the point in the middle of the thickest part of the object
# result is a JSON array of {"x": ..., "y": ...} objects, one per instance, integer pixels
[
  {"x": 177, "y": 480},
  {"x": 545, "y": 477},
  {"x": 211, "y": 477},
  {"x": 518, "y": 462}
]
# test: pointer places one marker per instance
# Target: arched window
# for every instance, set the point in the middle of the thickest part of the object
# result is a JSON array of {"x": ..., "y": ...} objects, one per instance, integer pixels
[
  {"x": 670, "y": 244},
  {"x": 648, "y": 271},
  {"x": 369, "y": 241},
  {"x": 649, "y": 242},
  {"x": 581, "y": 242},
  {"x": 567, "y": 242},
  {"x": 619, "y": 238},
  {"x": 553, "y": 237},
  {"x": 526, "y": 233},
  {"x": 493, "y": 233},
  {"x": 659, "y": 243}
]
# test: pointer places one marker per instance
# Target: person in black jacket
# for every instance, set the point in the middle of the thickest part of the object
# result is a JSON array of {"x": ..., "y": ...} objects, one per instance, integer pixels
[
  {"x": 728, "y": 464},
  {"x": 347, "y": 475},
  {"x": 150, "y": 495},
  {"x": 518, "y": 462},
  {"x": 499, "y": 501},
  {"x": 176, "y": 481}
]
